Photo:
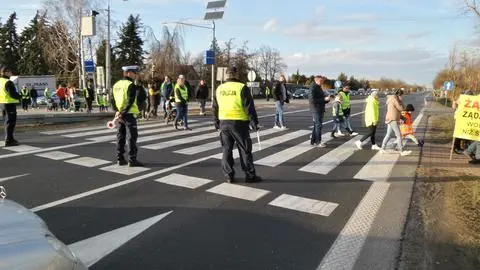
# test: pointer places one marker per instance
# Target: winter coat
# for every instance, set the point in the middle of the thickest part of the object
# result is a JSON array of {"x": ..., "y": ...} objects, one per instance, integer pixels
[
  {"x": 372, "y": 111},
  {"x": 394, "y": 109}
]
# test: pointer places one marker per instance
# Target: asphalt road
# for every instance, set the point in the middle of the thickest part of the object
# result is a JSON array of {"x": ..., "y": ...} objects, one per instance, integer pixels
[{"x": 298, "y": 218}]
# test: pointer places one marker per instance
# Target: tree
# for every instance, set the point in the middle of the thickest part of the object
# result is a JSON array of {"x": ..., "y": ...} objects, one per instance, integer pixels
[
  {"x": 10, "y": 43},
  {"x": 343, "y": 78},
  {"x": 129, "y": 49},
  {"x": 33, "y": 60},
  {"x": 353, "y": 83}
]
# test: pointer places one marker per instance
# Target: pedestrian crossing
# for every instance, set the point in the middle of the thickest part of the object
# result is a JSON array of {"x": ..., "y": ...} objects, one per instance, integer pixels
[{"x": 277, "y": 148}]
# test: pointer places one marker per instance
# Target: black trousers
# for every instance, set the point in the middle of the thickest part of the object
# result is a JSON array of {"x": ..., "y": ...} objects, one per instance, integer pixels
[
  {"x": 371, "y": 133},
  {"x": 89, "y": 103},
  {"x": 127, "y": 130},
  {"x": 236, "y": 132},
  {"x": 9, "y": 114},
  {"x": 25, "y": 103}
]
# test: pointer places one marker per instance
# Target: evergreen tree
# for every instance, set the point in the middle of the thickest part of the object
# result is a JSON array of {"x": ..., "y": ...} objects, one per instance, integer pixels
[
  {"x": 353, "y": 83},
  {"x": 343, "y": 78},
  {"x": 31, "y": 49},
  {"x": 129, "y": 48},
  {"x": 9, "y": 43}
]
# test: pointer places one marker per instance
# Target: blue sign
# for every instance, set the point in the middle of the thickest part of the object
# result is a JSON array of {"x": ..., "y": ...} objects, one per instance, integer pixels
[
  {"x": 448, "y": 85},
  {"x": 89, "y": 66},
  {"x": 338, "y": 84},
  {"x": 210, "y": 57}
]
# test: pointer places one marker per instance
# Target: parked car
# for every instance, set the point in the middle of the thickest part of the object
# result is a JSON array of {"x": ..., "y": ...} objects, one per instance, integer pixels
[
  {"x": 26, "y": 242},
  {"x": 301, "y": 93}
]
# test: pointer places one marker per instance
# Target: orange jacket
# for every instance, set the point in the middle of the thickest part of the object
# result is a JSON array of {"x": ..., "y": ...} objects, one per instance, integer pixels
[{"x": 407, "y": 127}]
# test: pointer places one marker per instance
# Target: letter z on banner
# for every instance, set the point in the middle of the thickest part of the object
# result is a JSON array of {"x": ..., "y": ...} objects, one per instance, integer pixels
[{"x": 467, "y": 124}]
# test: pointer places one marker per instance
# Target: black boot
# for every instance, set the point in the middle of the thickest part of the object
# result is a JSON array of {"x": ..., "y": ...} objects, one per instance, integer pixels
[
  {"x": 253, "y": 179},
  {"x": 135, "y": 163},
  {"x": 11, "y": 143},
  {"x": 333, "y": 135}
]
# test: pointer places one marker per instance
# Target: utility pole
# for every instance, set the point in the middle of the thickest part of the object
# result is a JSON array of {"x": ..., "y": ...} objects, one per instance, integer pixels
[
  {"x": 108, "y": 64},
  {"x": 213, "y": 66}
]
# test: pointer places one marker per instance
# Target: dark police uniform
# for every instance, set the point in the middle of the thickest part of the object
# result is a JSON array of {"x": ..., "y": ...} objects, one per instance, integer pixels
[
  {"x": 9, "y": 98},
  {"x": 234, "y": 109},
  {"x": 124, "y": 101}
]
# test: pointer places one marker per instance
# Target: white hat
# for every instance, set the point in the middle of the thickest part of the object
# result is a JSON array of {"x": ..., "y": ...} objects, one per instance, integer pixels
[
  {"x": 130, "y": 68},
  {"x": 374, "y": 93},
  {"x": 181, "y": 76}
]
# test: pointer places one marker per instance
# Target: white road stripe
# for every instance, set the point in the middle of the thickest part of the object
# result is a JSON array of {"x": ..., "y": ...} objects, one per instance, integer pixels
[
  {"x": 306, "y": 205},
  {"x": 125, "y": 170},
  {"x": 330, "y": 121},
  {"x": 285, "y": 155},
  {"x": 22, "y": 148},
  {"x": 141, "y": 138},
  {"x": 185, "y": 181},
  {"x": 174, "y": 134},
  {"x": 214, "y": 145},
  {"x": 381, "y": 165},
  {"x": 345, "y": 250},
  {"x": 56, "y": 155},
  {"x": 239, "y": 192},
  {"x": 272, "y": 142},
  {"x": 181, "y": 141},
  {"x": 62, "y": 131},
  {"x": 88, "y": 161},
  {"x": 13, "y": 177},
  {"x": 326, "y": 163},
  {"x": 106, "y": 131}
]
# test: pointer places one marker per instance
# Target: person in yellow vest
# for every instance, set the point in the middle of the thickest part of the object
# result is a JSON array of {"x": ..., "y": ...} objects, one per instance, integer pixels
[
  {"x": 9, "y": 98},
  {"x": 346, "y": 107},
  {"x": 126, "y": 111},
  {"x": 154, "y": 96},
  {"x": 181, "y": 102},
  {"x": 372, "y": 117},
  {"x": 25, "y": 98},
  {"x": 234, "y": 114}
]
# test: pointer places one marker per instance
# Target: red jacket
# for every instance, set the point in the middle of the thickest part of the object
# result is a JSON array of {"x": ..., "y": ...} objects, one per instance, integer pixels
[{"x": 61, "y": 92}]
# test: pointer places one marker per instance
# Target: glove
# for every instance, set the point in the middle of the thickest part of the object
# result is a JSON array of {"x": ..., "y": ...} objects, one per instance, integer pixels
[
  {"x": 217, "y": 125},
  {"x": 254, "y": 127}
]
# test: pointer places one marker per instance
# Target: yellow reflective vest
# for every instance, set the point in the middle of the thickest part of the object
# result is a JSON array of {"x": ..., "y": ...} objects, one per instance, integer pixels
[
  {"x": 5, "y": 97},
  {"x": 345, "y": 100},
  {"x": 334, "y": 109},
  {"x": 372, "y": 111},
  {"x": 229, "y": 99},
  {"x": 120, "y": 95},
  {"x": 183, "y": 92}
]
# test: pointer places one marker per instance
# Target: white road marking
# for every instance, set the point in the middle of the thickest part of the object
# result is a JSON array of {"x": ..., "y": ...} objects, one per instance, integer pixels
[
  {"x": 185, "y": 181},
  {"x": 158, "y": 134},
  {"x": 181, "y": 141},
  {"x": 345, "y": 250},
  {"x": 326, "y": 163},
  {"x": 56, "y": 155},
  {"x": 381, "y": 165},
  {"x": 88, "y": 161},
  {"x": 125, "y": 170},
  {"x": 214, "y": 145},
  {"x": 93, "y": 249},
  {"x": 285, "y": 155},
  {"x": 239, "y": 192},
  {"x": 273, "y": 141},
  {"x": 306, "y": 205},
  {"x": 330, "y": 121},
  {"x": 21, "y": 148},
  {"x": 13, "y": 177},
  {"x": 62, "y": 131}
]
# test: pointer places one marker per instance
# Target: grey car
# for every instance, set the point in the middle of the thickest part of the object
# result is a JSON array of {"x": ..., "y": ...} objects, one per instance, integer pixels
[{"x": 27, "y": 243}]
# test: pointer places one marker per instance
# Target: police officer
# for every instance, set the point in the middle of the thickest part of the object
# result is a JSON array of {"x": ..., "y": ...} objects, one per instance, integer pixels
[
  {"x": 9, "y": 98},
  {"x": 234, "y": 109},
  {"x": 126, "y": 108}
]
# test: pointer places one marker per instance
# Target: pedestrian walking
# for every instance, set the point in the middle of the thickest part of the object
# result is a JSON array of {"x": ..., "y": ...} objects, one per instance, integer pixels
[
  {"x": 181, "y": 102},
  {"x": 34, "y": 96},
  {"x": 317, "y": 101},
  {"x": 202, "y": 95},
  {"x": 338, "y": 115},
  {"x": 406, "y": 126},
  {"x": 280, "y": 96},
  {"x": 392, "y": 119},
  {"x": 142, "y": 101},
  {"x": 89, "y": 96},
  {"x": 234, "y": 114},
  {"x": 25, "y": 98},
  {"x": 9, "y": 98},
  {"x": 126, "y": 110},
  {"x": 154, "y": 97},
  {"x": 62, "y": 95},
  {"x": 167, "y": 91},
  {"x": 372, "y": 116},
  {"x": 268, "y": 92},
  {"x": 346, "y": 108}
]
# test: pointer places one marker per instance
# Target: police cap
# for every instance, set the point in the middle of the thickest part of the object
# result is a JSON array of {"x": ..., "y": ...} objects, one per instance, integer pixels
[{"x": 130, "y": 69}]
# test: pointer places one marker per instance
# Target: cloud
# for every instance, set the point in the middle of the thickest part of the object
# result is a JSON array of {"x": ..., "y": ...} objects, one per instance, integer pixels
[
  {"x": 320, "y": 10},
  {"x": 315, "y": 31},
  {"x": 412, "y": 64},
  {"x": 361, "y": 17},
  {"x": 417, "y": 35},
  {"x": 271, "y": 25}
]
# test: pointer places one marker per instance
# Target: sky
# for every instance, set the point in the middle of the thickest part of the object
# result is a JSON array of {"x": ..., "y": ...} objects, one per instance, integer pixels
[{"x": 404, "y": 39}]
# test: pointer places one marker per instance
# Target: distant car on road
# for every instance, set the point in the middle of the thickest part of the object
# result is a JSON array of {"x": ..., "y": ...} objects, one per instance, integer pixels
[
  {"x": 26, "y": 242},
  {"x": 301, "y": 93}
]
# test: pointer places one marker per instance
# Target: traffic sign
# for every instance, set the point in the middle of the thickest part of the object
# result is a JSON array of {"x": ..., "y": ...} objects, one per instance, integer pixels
[
  {"x": 253, "y": 84},
  {"x": 338, "y": 84},
  {"x": 448, "y": 85},
  {"x": 221, "y": 74},
  {"x": 252, "y": 75},
  {"x": 89, "y": 66},
  {"x": 209, "y": 57}
]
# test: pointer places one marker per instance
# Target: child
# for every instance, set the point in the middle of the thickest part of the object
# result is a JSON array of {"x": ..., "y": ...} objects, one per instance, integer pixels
[
  {"x": 406, "y": 128},
  {"x": 338, "y": 116}
]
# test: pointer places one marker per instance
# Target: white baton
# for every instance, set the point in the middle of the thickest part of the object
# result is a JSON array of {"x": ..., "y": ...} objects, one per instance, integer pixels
[{"x": 258, "y": 139}]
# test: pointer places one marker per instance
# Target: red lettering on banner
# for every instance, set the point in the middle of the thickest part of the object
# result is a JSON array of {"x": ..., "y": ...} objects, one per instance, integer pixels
[
  {"x": 476, "y": 105},
  {"x": 467, "y": 103}
]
